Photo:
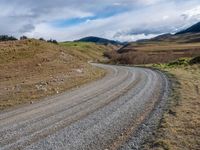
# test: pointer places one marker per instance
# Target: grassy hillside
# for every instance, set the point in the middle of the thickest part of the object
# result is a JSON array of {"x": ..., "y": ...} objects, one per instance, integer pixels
[
  {"x": 32, "y": 69},
  {"x": 88, "y": 51},
  {"x": 159, "y": 50}
]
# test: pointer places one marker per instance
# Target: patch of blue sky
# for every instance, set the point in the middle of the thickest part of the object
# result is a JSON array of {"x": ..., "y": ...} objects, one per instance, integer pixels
[{"x": 105, "y": 13}]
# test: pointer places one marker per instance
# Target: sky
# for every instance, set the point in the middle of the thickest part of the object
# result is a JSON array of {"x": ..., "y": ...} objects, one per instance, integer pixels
[{"x": 122, "y": 20}]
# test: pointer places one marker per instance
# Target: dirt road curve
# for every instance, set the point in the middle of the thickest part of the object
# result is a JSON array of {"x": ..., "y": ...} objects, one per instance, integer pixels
[{"x": 101, "y": 115}]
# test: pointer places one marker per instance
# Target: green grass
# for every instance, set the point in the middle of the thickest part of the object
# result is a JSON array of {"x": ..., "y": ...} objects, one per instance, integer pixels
[
  {"x": 88, "y": 51},
  {"x": 181, "y": 62},
  {"x": 177, "y": 63}
]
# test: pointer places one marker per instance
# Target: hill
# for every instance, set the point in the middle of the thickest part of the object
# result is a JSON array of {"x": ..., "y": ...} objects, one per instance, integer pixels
[
  {"x": 162, "y": 37},
  {"x": 193, "y": 29},
  {"x": 87, "y": 50},
  {"x": 98, "y": 40},
  {"x": 161, "y": 49},
  {"x": 32, "y": 69}
]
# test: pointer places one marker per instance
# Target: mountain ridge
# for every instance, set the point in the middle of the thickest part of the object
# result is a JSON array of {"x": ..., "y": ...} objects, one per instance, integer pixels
[
  {"x": 192, "y": 29},
  {"x": 98, "y": 40}
]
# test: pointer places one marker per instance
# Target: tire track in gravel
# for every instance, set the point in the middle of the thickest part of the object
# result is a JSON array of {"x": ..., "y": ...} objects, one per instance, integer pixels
[
  {"x": 44, "y": 122},
  {"x": 12, "y": 114},
  {"x": 93, "y": 116}
]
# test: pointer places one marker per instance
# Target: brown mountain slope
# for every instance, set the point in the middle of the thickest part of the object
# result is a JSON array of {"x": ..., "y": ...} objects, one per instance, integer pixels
[{"x": 159, "y": 50}]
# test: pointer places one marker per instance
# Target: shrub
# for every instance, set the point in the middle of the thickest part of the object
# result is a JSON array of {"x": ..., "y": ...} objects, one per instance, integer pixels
[
  {"x": 52, "y": 41},
  {"x": 180, "y": 61},
  {"x": 7, "y": 38},
  {"x": 41, "y": 39},
  {"x": 23, "y": 37},
  {"x": 195, "y": 60}
]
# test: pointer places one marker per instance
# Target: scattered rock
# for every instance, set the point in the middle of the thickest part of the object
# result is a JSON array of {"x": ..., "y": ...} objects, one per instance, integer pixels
[
  {"x": 18, "y": 87},
  {"x": 39, "y": 65},
  {"x": 42, "y": 86},
  {"x": 6, "y": 89},
  {"x": 59, "y": 79},
  {"x": 65, "y": 57},
  {"x": 172, "y": 112},
  {"x": 79, "y": 70}
]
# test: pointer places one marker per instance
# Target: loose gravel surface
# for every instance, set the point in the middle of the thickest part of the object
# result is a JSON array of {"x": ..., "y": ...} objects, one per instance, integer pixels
[{"x": 105, "y": 114}]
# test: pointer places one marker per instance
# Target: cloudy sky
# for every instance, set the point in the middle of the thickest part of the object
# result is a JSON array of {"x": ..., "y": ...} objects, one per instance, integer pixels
[{"x": 123, "y": 20}]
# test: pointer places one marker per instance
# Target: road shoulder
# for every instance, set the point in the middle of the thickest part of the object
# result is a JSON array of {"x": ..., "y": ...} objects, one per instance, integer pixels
[{"x": 180, "y": 125}]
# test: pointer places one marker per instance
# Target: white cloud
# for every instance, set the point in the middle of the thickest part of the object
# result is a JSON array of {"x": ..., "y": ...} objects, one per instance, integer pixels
[
  {"x": 149, "y": 2},
  {"x": 117, "y": 4},
  {"x": 143, "y": 19},
  {"x": 165, "y": 17},
  {"x": 193, "y": 13},
  {"x": 129, "y": 38}
]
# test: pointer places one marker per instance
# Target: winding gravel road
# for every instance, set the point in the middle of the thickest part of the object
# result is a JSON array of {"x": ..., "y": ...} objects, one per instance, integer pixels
[{"x": 101, "y": 115}]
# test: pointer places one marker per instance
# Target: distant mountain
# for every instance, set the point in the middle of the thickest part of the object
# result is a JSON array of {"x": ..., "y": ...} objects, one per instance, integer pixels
[
  {"x": 162, "y": 37},
  {"x": 193, "y": 29},
  {"x": 98, "y": 40},
  {"x": 190, "y": 37}
]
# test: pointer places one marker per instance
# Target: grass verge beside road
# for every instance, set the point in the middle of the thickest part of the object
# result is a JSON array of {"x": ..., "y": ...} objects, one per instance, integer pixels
[{"x": 180, "y": 126}]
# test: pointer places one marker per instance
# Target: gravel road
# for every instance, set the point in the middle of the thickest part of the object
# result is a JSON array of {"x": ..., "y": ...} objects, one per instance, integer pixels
[{"x": 105, "y": 114}]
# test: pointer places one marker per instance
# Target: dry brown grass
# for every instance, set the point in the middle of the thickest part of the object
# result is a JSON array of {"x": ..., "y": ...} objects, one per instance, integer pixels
[
  {"x": 137, "y": 58},
  {"x": 180, "y": 126},
  {"x": 163, "y": 46},
  {"x": 154, "y": 52},
  {"x": 31, "y": 69}
]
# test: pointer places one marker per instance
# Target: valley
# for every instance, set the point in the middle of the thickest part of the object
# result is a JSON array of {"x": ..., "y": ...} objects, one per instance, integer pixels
[{"x": 95, "y": 93}]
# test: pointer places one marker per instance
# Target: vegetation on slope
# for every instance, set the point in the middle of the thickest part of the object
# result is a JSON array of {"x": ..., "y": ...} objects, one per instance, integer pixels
[
  {"x": 157, "y": 51},
  {"x": 32, "y": 69},
  {"x": 161, "y": 49},
  {"x": 88, "y": 51}
]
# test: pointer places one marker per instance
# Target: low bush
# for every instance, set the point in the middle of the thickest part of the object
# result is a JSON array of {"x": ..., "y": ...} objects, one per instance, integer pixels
[
  {"x": 41, "y": 39},
  {"x": 23, "y": 37},
  {"x": 7, "y": 38},
  {"x": 195, "y": 60},
  {"x": 52, "y": 41},
  {"x": 180, "y": 61}
]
